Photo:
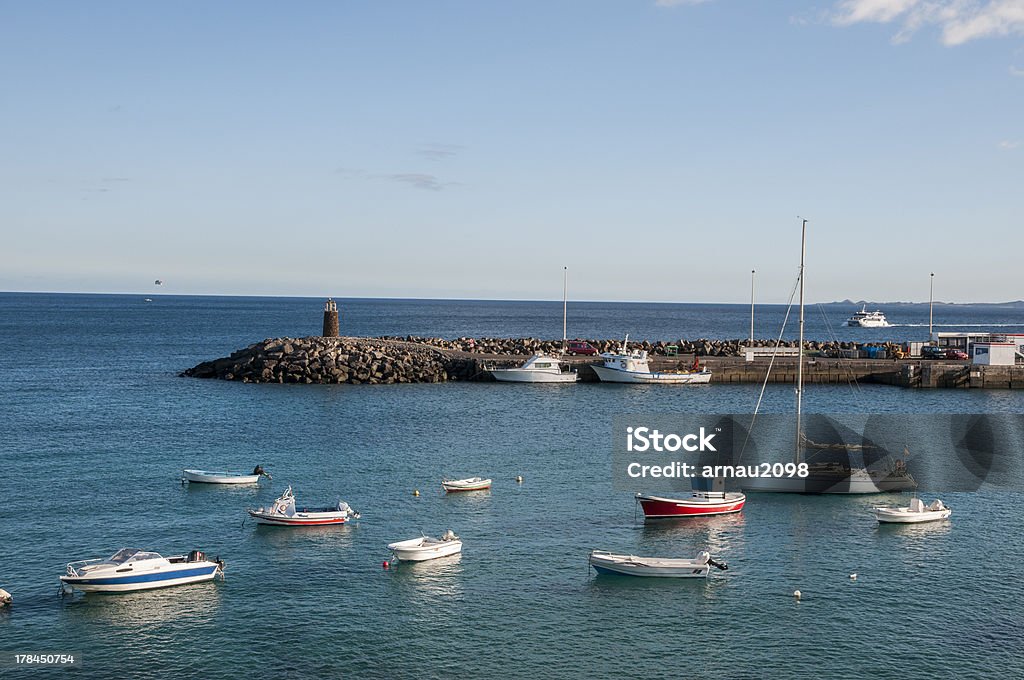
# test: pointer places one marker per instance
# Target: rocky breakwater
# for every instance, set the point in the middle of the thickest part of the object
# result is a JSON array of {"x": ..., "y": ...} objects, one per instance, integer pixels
[
  {"x": 337, "y": 360},
  {"x": 700, "y": 347}
]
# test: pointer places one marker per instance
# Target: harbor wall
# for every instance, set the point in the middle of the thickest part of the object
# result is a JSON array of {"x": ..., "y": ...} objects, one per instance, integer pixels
[{"x": 356, "y": 361}]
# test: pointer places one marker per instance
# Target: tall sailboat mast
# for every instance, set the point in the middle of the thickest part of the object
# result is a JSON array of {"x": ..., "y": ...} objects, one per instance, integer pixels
[
  {"x": 800, "y": 345},
  {"x": 565, "y": 306}
]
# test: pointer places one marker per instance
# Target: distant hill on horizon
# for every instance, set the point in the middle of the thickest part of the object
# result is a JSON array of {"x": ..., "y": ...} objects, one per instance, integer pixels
[{"x": 1014, "y": 304}]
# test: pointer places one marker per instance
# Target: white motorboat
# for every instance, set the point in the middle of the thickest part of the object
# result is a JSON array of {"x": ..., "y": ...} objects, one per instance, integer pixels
[
  {"x": 630, "y": 565},
  {"x": 283, "y": 512},
  {"x": 426, "y": 548},
  {"x": 468, "y": 484},
  {"x": 866, "y": 319},
  {"x": 633, "y": 367},
  {"x": 915, "y": 513},
  {"x": 133, "y": 569},
  {"x": 221, "y": 477},
  {"x": 540, "y": 368}
]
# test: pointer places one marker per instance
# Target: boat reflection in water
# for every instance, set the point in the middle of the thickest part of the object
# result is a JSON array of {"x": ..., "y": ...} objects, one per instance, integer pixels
[{"x": 194, "y": 604}]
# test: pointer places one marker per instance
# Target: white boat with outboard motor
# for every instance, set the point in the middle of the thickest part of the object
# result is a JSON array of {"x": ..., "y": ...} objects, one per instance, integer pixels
[
  {"x": 426, "y": 547},
  {"x": 630, "y": 565},
  {"x": 540, "y": 368},
  {"x": 283, "y": 512},
  {"x": 866, "y": 319},
  {"x": 633, "y": 366},
  {"x": 222, "y": 477},
  {"x": 915, "y": 513},
  {"x": 134, "y": 569}
]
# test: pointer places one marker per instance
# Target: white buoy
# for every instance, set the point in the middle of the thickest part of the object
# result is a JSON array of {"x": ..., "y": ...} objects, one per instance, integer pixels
[
  {"x": 519, "y": 479},
  {"x": 853, "y": 577},
  {"x": 415, "y": 492},
  {"x": 5, "y": 598},
  {"x": 796, "y": 594}
]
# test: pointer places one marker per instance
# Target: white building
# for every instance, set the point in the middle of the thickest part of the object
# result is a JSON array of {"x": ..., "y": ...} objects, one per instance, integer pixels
[{"x": 994, "y": 353}]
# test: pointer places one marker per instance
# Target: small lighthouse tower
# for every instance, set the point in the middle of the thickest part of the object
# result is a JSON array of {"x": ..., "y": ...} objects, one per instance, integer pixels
[{"x": 331, "y": 326}]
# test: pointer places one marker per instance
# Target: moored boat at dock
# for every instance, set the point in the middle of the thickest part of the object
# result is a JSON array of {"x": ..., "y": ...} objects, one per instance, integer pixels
[
  {"x": 627, "y": 366},
  {"x": 540, "y": 368},
  {"x": 133, "y": 569}
]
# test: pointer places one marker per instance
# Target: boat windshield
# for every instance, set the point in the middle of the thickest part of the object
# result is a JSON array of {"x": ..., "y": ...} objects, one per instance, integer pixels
[{"x": 125, "y": 554}]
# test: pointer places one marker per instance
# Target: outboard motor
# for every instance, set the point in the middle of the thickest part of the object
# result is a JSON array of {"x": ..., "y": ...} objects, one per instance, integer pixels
[{"x": 196, "y": 556}]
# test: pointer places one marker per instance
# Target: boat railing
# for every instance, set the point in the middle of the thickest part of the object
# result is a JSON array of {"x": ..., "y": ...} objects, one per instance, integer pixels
[{"x": 73, "y": 567}]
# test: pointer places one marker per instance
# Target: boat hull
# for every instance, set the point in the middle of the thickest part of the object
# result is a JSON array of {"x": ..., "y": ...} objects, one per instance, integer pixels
[
  {"x": 614, "y": 375},
  {"x": 148, "y": 581},
  {"x": 525, "y": 376},
  {"x": 458, "y": 487},
  {"x": 902, "y": 516},
  {"x": 203, "y": 477},
  {"x": 312, "y": 519},
  {"x": 856, "y": 482},
  {"x": 415, "y": 551},
  {"x": 628, "y": 565},
  {"x": 656, "y": 507}
]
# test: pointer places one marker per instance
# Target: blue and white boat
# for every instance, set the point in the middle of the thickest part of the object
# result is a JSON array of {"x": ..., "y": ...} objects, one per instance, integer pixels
[{"x": 133, "y": 569}]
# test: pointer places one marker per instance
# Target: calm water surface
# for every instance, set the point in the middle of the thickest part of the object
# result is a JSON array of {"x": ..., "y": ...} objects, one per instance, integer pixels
[{"x": 97, "y": 428}]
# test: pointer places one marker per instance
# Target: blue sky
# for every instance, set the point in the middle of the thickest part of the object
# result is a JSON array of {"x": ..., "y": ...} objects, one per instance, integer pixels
[{"x": 660, "y": 150}]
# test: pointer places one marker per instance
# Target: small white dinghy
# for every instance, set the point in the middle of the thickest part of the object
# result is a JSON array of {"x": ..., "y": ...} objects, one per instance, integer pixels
[
  {"x": 208, "y": 477},
  {"x": 468, "y": 484},
  {"x": 630, "y": 565},
  {"x": 917, "y": 512},
  {"x": 426, "y": 548}
]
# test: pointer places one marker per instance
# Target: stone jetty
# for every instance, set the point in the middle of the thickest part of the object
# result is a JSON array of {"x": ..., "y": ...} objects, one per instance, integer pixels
[{"x": 412, "y": 359}]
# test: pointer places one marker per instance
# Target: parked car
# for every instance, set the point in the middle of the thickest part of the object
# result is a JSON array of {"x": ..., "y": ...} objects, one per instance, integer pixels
[
  {"x": 579, "y": 347},
  {"x": 933, "y": 352},
  {"x": 956, "y": 354}
]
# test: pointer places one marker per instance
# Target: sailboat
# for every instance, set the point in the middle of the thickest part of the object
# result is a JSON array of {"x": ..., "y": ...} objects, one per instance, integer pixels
[
  {"x": 830, "y": 477},
  {"x": 542, "y": 368}
]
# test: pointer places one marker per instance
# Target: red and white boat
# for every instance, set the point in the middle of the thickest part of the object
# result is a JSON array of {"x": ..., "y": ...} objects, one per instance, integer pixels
[
  {"x": 698, "y": 504},
  {"x": 283, "y": 512}
]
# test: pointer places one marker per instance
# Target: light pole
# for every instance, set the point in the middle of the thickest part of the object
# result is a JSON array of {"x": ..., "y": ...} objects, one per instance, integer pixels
[
  {"x": 931, "y": 303},
  {"x": 752, "y": 272}
]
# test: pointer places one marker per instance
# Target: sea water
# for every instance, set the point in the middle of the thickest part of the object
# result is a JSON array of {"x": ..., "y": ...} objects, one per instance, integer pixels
[{"x": 97, "y": 428}]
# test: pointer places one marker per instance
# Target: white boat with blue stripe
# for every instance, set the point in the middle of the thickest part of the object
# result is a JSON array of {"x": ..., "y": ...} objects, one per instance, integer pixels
[{"x": 133, "y": 569}]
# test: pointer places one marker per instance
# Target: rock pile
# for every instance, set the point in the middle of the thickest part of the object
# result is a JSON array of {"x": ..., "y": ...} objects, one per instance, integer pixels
[
  {"x": 700, "y": 347},
  {"x": 336, "y": 360}
]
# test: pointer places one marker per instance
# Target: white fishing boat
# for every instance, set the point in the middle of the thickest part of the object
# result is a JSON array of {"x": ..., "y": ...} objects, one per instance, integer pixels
[
  {"x": 631, "y": 565},
  {"x": 826, "y": 477},
  {"x": 222, "y": 477},
  {"x": 866, "y": 319},
  {"x": 426, "y": 547},
  {"x": 468, "y": 484},
  {"x": 915, "y": 513},
  {"x": 284, "y": 512},
  {"x": 133, "y": 569},
  {"x": 540, "y": 368},
  {"x": 633, "y": 367}
]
